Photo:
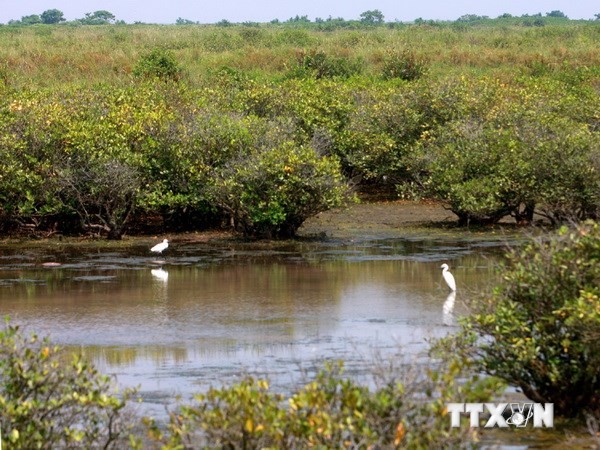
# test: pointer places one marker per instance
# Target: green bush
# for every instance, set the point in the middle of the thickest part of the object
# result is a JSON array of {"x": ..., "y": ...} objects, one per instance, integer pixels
[
  {"x": 21, "y": 185},
  {"x": 468, "y": 166},
  {"x": 515, "y": 150},
  {"x": 48, "y": 401},
  {"x": 567, "y": 171},
  {"x": 539, "y": 330},
  {"x": 158, "y": 63},
  {"x": 317, "y": 105},
  {"x": 32, "y": 127},
  {"x": 103, "y": 192},
  {"x": 382, "y": 130},
  {"x": 180, "y": 157},
  {"x": 405, "y": 65},
  {"x": 332, "y": 411},
  {"x": 485, "y": 147},
  {"x": 318, "y": 64},
  {"x": 270, "y": 192}
]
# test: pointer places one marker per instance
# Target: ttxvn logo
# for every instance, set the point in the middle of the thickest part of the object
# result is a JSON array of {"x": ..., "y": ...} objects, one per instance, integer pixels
[{"x": 504, "y": 414}]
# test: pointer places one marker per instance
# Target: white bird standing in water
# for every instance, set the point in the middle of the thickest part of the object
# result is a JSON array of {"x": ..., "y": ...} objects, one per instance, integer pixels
[
  {"x": 448, "y": 277},
  {"x": 159, "y": 248}
]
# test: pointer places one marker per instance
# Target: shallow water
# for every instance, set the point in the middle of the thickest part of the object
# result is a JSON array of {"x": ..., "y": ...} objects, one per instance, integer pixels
[{"x": 205, "y": 314}]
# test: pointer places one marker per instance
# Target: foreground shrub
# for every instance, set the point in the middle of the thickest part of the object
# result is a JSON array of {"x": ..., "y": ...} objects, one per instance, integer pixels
[
  {"x": 540, "y": 330},
  {"x": 49, "y": 402},
  {"x": 271, "y": 192},
  {"x": 332, "y": 411}
]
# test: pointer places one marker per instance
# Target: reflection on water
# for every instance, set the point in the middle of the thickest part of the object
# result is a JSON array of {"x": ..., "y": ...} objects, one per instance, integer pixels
[
  {"x": 160, "y": 274},
  {"x": 448, "y": 308},
  {"x": 210, "y": 313}
]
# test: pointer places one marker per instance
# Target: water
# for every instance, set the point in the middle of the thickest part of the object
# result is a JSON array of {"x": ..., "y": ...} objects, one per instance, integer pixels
[{"x": 205, "y": 314}]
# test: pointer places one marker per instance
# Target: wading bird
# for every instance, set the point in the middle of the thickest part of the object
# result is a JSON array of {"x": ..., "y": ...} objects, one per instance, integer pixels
[
  {"x": 158, "y": 248},
  {"x": 448, "y": 277}
]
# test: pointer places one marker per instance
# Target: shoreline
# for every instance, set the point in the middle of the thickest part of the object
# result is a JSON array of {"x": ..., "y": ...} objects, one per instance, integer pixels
[{"x": 374, "y": 218}]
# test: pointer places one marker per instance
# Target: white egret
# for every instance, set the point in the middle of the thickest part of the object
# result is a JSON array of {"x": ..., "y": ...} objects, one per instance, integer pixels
[
  {"x": 448, "y": 277},
  {"x": 159, "y": 248}
]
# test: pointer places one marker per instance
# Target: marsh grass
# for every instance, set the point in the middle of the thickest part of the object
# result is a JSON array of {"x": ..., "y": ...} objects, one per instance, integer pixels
[{"x": 50, "y": 56}]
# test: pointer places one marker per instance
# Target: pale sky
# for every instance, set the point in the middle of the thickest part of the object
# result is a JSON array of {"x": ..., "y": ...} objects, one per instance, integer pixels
[{"x": 160, "y": 11}]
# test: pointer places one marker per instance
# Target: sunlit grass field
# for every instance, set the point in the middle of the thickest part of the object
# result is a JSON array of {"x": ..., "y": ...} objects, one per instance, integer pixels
[{"x": 49, "y": 56}]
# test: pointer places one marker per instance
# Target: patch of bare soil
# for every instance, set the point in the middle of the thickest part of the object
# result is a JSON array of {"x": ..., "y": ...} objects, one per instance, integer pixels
[{"x": 378, "y": 217}]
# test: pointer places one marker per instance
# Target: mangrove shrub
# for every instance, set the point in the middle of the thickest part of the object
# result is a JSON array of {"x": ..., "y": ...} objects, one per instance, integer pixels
[
  {"x": 512, "y": 150},
  {"x": 270, "y": 192},
  {"x": 49, "y": 401},
  {"x": 539, "y": 330},
  {"x": 331, "y": 411}
]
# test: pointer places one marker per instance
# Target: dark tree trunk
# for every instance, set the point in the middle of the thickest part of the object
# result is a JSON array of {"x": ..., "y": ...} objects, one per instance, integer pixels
[{"x": 115, "y": 234}]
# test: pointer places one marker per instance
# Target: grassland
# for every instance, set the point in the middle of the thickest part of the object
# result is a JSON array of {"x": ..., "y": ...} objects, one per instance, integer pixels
[{"x": 50, "y": 56}]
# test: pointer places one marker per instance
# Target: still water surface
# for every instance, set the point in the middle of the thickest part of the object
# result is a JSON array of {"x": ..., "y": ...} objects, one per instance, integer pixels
[{"x": 206, "y": 314}]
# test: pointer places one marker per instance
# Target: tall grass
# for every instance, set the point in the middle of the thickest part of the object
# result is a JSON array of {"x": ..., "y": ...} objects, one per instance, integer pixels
[{"x": 50, "y": 56}]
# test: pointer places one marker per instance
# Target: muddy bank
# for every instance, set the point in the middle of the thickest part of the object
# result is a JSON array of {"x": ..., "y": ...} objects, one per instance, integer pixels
[
  {"x": 369, "y": 219},
  {"x": 378, "y": 217}
]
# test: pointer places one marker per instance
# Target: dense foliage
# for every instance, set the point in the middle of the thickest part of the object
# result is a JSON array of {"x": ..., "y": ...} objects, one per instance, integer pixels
[
  {"x": 205, "y": 124},
  {"x": 331, "y": 411},
  {"x": 49, "y": 401},
  {"x": 539, "y": 331},
  {"x": 271, "y": 192},
  {"x": 515, "y": 150},
  {"x": 158, "y": 148},
  {"x": 262, "y": 127}
]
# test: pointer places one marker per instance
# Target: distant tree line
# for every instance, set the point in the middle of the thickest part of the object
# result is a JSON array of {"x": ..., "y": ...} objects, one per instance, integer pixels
[
  {"x": 55, "y": 16},
  {"x": 369, "y": 18}
]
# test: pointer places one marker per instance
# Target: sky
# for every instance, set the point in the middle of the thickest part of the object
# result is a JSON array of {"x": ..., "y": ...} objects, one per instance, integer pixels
[{"x": 160, "y": 11}]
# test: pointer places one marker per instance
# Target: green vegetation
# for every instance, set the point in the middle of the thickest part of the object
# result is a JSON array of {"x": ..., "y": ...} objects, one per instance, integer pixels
[
  {"x": 101, "y": 17},
  {"x": 262, "y": 126},
  {"x": 539, "y": 330},
  {"x": 49, "y": 401},
  {"x": 270, "y": 193},
  {"x": 179, "y": 121},
  {"x": 515, "y": 150},
  {"x": 156, "y": 148},
  {"x": 332, "y": 411},
  {"x": 52, "y": 16},
  {"x": 158, "y": 64}
]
